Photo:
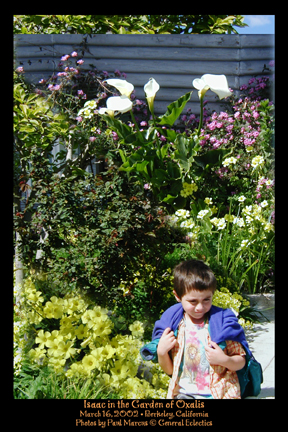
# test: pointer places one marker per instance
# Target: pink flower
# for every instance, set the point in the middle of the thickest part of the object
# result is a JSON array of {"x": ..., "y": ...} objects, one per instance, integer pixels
[
  {"x": 115, "y": 136},
  {"x": 74, "y": 54},
  {"x": 211, "y": 126},
  {"x": 65, "y": 57},
  {"x": 80, "y": 62},
  {"x": 255, "y": 114},
  {"x": 80, "y": 92},
  {"x": 92, "y": 139},
  {"x": 20, "y": 69}
]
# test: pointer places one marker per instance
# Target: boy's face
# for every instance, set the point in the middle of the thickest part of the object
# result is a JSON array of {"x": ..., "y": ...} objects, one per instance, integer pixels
[{"x": 196, "y": 304}]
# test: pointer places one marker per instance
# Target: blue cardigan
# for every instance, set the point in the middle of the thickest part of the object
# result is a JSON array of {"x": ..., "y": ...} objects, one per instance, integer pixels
[{"x": 223, "y": 325}]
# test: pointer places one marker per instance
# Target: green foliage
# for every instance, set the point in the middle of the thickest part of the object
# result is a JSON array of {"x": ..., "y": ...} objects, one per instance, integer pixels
[
  {"x": 123, "y": 24},
  {"x": 34, "y": 382},
  {"x": 100, "y": 230},
  {"x": 166, "y": 159}
]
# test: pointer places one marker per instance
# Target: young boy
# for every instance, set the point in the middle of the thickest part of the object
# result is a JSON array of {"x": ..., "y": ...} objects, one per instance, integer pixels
[{"x": 199, "y": 345}]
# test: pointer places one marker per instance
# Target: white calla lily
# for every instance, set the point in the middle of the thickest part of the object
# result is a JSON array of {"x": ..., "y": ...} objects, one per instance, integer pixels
[
  {"x": 217, "y": 83},
  {"x": 124, "y": 87},
  {"x": 121, "y": 104},
  {"x": 151, "y": 88},
  {"x": 106, "y": 111}
]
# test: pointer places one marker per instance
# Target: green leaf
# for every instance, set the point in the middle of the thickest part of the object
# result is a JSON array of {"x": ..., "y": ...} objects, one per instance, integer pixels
[
  {"x": 123, "y": 131},
  {"x": 211, "y": 158},
  {"x": 174, "y": 110},
  {"x": 173, "y": 170},
  {"x": 160, "y": 177},
  {"x": 184, "y": 151}
]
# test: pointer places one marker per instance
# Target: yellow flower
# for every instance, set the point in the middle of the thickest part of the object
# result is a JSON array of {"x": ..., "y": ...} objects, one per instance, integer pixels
[
  {"x": 136, "y": 329},
  {"x": 65, "y": 349},
  {"x": 101, "y": 328},
  {"x": 89, "y": 362},
  {"x": 53, "y": 342},
  {"x": 229, "y": 218},
  {"x": 37, "y": 354},
  {"x": 208, "y": 201},
  {"x": 35, "y": 296},
  {"x": 81, "y": 332},
  {"x": 57, "y": 363},
  {"x": 120, "y": 370},
  {"x": 108, "y": 351},
  {"x": 54, "y": 308},
  {"x": 42, "y": 338}
]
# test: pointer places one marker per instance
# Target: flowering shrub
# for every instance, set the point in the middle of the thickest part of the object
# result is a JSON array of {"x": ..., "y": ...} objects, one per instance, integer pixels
[
  {"x": 78, "y": 339},
  {"x": 247, "y": 130},
  {"x": 242, "y": 242}
]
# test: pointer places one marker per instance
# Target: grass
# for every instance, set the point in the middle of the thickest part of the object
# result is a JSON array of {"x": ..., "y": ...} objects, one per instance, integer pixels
[{"x": 34, "y": 382}]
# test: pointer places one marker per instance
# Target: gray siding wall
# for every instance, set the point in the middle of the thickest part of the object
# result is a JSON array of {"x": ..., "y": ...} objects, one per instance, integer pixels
[{"x": 173, "y": 60}]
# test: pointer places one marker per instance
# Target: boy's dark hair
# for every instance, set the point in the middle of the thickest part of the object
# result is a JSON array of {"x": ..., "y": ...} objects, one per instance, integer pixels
[{"x": 193, "y": 274}]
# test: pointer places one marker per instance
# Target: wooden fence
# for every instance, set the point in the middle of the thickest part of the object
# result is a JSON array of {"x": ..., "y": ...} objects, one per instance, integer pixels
[{"x": 173, "y": 60}]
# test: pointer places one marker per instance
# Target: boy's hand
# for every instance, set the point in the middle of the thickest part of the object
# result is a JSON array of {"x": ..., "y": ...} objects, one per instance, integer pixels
[
  {"x": 215, "y": 354},
  {"x": 166, "y": 342}
]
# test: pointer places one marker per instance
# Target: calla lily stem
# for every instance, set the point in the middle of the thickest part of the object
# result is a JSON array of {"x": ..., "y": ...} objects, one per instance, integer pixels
[
  {"x": 201, "y": 115},
  {"x": 134, "y": 121}
]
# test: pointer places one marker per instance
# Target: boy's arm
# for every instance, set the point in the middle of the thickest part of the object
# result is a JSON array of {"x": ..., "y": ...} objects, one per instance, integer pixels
[
  {"x": 166, "y": 343},
  {"x": 216, "y": 356}
]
